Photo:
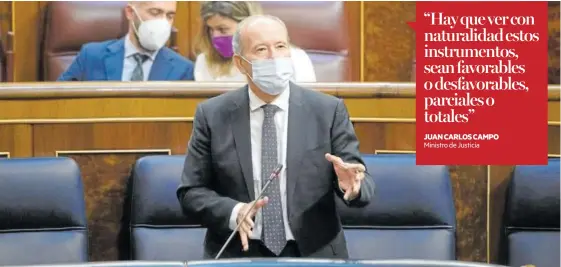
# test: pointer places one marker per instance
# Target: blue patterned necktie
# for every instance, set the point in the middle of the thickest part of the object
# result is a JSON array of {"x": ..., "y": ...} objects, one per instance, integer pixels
[
  {"x": 138, "y": 73},
  {"x": 274, "y": 236}
]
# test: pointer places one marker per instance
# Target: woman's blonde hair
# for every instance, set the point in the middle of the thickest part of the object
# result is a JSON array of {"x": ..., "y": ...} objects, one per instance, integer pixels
[{"x": 237, "y": 11}]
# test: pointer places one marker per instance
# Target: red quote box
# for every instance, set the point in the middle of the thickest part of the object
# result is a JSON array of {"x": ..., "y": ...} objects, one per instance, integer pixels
[{"x": 481, "y": 83}]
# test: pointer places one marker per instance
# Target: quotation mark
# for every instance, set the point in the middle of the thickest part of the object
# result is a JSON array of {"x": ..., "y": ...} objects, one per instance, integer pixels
[
  {"x": 427, "y": 14},
  {"x": 471, "y": 111}
]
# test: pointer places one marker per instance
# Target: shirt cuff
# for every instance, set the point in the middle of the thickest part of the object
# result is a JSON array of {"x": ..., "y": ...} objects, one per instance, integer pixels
[{"x": 234, "y": 216}]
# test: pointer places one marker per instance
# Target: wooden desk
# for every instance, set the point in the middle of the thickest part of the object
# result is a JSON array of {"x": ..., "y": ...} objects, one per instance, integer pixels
[{"x": 105, "y": 127}]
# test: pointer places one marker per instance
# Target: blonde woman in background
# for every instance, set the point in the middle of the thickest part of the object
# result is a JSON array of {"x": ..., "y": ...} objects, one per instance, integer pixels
[{"x": 214, "y": 43}]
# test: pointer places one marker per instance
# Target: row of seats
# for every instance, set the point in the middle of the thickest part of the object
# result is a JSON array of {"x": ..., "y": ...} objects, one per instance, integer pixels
[
  {"x": 281, "y": 263},
  {"x": 412, "y": 216},
  {"x": 320, "y": 28},
  {"x": 397, "y": 225}
]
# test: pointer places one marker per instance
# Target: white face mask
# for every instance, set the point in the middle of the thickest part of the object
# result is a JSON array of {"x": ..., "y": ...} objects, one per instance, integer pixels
[
  {"x": 152, "y": 34},
  {"x": 272, "y": 75}
]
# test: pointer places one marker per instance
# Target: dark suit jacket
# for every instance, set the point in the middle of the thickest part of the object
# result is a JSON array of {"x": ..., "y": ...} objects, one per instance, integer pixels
[
  {"x": 103, "y": 61},
  {"x": 218, "y": 169}
]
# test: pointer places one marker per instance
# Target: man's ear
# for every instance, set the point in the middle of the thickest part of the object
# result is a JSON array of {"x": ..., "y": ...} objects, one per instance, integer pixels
[
  {"x": 238, "y": 63},
  {"x": 129, "y": 12}
]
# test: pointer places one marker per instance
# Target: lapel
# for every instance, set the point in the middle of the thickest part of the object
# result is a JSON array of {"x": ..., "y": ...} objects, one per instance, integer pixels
[
  {"x": 296, "y": 139},
  {"x": 162, "y": 66},
  {"x": 113, "y": 60},
  {"x": 239, "y": 123}
]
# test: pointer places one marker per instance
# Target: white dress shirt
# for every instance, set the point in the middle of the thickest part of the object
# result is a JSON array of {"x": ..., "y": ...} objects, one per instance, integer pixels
[
  {"x": 303, "y": 69},
  {"x": 129, "y": 63},
  {"x": 256, "y": 117}
]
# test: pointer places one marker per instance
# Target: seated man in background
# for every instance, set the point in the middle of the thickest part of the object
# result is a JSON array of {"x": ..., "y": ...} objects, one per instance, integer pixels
[
  {"x": 214, "y": 43},
  {"x": 139, "y": 56}
]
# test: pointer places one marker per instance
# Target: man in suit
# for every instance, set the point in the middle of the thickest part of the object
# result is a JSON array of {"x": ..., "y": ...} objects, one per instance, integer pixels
[
  {"x": 139, "y": 56},
  {"x": 240, "y": 137}
]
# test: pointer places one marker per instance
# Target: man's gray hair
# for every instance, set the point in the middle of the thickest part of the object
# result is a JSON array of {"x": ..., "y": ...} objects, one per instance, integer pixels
[{"x": 237, "y": 40}]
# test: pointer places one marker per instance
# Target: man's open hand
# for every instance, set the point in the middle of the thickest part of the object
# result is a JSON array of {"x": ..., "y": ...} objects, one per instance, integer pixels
[
  {"x": 247, "y": 224},
  {"x": 350, "y": 175}
]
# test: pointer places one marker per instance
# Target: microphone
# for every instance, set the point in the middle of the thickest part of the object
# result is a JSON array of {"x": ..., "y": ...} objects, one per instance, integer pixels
[{"x": 273, "y": 175}]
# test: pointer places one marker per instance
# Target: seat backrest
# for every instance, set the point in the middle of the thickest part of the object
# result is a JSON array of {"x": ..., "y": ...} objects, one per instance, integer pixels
[
  {"x": 70, "y": 24},
  {"x": 532, "y": 216},
  {"x": 159, "y": 229},
  {"x": 321, "y": 29},
  {"x": 42, "y": 212},
  {"x": 3, "y": 61},
  {"x": 411, "y": 216}
]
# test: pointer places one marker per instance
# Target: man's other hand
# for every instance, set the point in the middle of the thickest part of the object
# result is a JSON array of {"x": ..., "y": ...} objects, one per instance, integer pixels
[
  {"x": 247, "y": 224},
  {"x": 350, "y": 176}
]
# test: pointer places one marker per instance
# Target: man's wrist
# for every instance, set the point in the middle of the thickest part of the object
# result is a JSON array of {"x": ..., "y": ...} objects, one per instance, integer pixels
[{"x": 234, "y": 216}]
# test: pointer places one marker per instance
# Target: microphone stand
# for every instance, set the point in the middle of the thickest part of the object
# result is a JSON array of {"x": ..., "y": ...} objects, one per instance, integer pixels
[{"x": 275, "y": 174}]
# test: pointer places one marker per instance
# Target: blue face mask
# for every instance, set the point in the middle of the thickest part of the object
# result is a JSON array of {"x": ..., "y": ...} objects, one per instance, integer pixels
[{"x": 272, "y": 75}]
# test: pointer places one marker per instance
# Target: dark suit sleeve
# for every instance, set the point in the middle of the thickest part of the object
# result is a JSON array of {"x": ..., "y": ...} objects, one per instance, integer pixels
[
  {"x": 75, "y": 71},
  {"x": 195, "y": 194},
  {"x": 344, "y": 144}
]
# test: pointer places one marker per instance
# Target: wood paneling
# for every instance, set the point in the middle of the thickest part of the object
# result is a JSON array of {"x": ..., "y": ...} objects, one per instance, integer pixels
[
  {"x": 353, "y": 15},
  {"x": 181, "y": 23},
  {"x": 26, "y": 27},
  {"x": 16, "y": 139},
  {"x": 389, "y": 43},
  {"x": 553, "y": 139},
  {"x": 49, "y": 138},
  {"x": 553, "y": 42},
  {"x": 5, "y": 19},
  {"x": 194, "y": 25},
  {"x": 470, "y": 198},
  {"x": 38, "y": 120},
  {"x": 105, "y": 177}
]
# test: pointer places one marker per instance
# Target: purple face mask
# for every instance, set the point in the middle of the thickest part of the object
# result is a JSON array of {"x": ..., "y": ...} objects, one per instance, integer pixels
[{"x": 223, "y": 44}]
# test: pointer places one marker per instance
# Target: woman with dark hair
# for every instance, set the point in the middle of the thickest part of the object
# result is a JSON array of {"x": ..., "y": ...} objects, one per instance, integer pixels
[{"x": 214, "y": 43}]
